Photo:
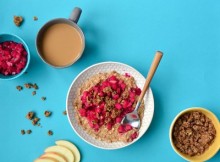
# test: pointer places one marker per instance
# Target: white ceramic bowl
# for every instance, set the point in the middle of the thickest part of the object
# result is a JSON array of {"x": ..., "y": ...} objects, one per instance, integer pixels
[{"x": 108, "y": 67}]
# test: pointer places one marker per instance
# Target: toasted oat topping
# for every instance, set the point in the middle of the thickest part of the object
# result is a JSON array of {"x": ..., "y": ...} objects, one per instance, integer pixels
[
  {"x": 19, "y": 88},
  {"x": 18, "y": 20},
  {"x": 22, "y": 131},
  {"x": 35, "y": 86},
  {"x": 34, "y": 93},
  {"x": 47, "y": 113},
  {"x": 35, "y": 120},
  {"x": 35, "y": 18},
  {"x": 64, "y": 112},
  {"x": 28, "y": 131},
  {"x": 50, "y": 133},
  {"x": 30, "y": 115},
  {"x": 193, "y": 133},
  {"x": 28, "y": 85}
]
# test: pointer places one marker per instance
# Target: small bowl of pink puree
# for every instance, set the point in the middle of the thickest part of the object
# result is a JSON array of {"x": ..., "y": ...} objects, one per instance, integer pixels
[{"x": 14, "y": 56}]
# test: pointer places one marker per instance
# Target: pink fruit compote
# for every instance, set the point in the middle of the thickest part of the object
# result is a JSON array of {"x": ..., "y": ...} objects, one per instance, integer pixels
[{"x": 13, "y": 58}]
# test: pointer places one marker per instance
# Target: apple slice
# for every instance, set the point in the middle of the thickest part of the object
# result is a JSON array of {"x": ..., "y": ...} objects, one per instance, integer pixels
[
  {"x": 71, "y": 147},
  {"x": 63, "y": 151},
  {"x": 54, "y": 155},
  {"x": 45, "y": 159}
]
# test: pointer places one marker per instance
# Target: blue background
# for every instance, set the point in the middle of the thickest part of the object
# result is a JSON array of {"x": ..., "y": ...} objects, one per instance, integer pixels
[{"x": 188, "y": 32}]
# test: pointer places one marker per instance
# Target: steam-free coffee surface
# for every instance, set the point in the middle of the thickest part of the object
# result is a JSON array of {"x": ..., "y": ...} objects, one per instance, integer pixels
[{"x": 61, "y": 44}]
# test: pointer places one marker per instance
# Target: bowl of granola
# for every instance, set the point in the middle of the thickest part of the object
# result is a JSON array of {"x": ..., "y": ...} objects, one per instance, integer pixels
[
  {"x": 195, "y": 134},
  {"x": 100, "y": 96}
]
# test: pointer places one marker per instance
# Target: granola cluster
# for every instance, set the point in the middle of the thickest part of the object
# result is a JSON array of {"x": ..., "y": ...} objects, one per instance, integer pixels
[{"x": 193, "y": 133}]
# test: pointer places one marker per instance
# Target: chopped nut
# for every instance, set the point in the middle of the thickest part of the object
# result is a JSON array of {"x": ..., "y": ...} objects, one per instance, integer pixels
[
  {"x": 18, "y": 20},
  {"x": 35, "y": 86},
  {"x": 50, "y": 133},
  {"x": 47, "y": 113},
  {"x": 29, "y": 131},
  {"x": 28, "y": 85},
  {"x": 30, "y": 115},
  {"x": 35, "y": 18},
  {"x": 22, "y": 132},
  {"x": 34, "y": 93},
  {"x": 64, "y": 112},
  {"x": 35, "y": 121},
  {"x": 19, "y": 88},
  {"x": 43, "y": 98}
]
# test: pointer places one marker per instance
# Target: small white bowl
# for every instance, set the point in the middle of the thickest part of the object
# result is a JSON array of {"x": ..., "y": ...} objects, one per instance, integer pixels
[{"x": 108, "y": 67}]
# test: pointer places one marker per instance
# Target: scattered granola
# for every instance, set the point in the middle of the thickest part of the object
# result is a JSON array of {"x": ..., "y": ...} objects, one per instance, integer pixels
[
  {"x": 64, "y": 112},
  {"x": 35, "y": 86},
  {"x": 28, "y": 85},
  {"x": 28, "y": 131},
  {"x": 50, "y": 133},
  {"x": 18, "y": 20},
  {"x": 35, "y": 121},
  {"x": 30, "y": 115},
  {"x": 34, "y": 93},
  {"x": 19, "y": 88},
  {"x": 35, "y": 18},
  {"x": 22, "y": 132},
  {"x": 47, "y": 113}
]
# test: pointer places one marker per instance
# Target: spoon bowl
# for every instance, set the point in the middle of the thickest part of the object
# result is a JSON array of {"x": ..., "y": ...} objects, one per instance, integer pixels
[{"x": 133, "y": 118}]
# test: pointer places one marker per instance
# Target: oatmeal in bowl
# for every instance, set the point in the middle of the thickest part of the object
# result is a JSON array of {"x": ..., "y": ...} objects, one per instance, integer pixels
[
  {"x": 100, "y": 97},
  {"x": 102, "y": 102}
]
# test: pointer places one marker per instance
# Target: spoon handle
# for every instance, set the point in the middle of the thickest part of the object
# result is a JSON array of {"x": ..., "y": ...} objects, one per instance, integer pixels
[{"x": 150, "y": 74}]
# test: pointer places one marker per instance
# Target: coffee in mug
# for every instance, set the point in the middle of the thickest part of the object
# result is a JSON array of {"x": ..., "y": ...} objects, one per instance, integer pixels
[{"x": 60, "y": 42}]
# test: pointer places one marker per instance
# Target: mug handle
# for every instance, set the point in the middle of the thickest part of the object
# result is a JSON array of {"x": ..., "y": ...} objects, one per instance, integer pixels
[{"x": 75, "y": 15}]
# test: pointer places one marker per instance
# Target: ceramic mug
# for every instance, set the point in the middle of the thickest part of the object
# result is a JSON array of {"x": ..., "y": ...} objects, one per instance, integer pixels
[{"x": 72, "y": 21}]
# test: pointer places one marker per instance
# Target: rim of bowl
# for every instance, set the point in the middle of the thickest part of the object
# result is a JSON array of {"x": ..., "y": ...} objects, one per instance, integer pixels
[
  {"x": 139, "y": 137},
  {"x": 28, "y": 56},
  {"x": 213, "y": 117}
]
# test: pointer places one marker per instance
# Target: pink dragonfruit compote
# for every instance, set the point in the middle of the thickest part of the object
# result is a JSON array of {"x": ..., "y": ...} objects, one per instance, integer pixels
[
  {"x": 103, "y": 100},
  {"x": 13, "y": 58}
]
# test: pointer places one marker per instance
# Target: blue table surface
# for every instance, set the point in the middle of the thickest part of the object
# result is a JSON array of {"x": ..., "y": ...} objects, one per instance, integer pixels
[{"x": 188, "y": 32}]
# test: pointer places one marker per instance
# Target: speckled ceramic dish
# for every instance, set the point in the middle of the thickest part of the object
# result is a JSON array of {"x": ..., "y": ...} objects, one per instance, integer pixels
[{"x": 107, "y": 67}]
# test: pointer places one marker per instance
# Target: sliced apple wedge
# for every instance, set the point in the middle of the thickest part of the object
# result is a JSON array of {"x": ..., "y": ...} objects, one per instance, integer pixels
[
  {"x": 63, "y": 151},
  {"x": 71, "y": 147},
  {"x": 54, "y": 155},
  {"x": 45, "y": 159}
]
